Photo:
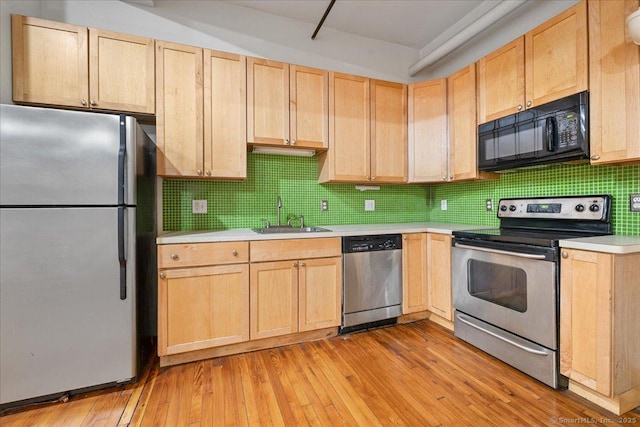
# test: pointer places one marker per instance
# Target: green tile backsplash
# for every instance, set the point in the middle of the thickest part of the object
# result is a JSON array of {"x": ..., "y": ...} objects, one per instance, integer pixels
[
  {"x": 294, "y": 179},
  {"x": 466, "y": 201}
]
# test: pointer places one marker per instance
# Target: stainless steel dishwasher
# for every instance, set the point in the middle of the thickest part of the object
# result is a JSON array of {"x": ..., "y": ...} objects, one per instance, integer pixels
[{"x": 372, "y": 281}]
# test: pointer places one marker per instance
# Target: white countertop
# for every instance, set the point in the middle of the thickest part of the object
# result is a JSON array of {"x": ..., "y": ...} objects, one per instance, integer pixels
[
  {"x": 607, "y": 244},
  {"x": 239, "y": 234}
]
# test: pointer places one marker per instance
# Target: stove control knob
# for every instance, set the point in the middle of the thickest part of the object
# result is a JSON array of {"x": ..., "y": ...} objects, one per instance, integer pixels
[
  {"x": 512, "y": 208},
  {"x": 503, "y": 208},
  {"x": 580, "y": 207},
  {"x": 594, "y": 208}
]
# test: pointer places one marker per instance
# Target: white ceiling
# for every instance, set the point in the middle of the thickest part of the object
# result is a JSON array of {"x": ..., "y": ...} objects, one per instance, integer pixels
[{"x": 409, "y": 23}]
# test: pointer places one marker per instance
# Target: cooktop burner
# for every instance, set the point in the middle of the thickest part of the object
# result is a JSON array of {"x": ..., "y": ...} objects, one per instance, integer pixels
[{"x": 543, "y": 221}]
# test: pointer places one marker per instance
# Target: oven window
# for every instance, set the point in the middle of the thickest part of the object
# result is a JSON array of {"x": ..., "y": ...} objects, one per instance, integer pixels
[{"x": 499, "y": 284}]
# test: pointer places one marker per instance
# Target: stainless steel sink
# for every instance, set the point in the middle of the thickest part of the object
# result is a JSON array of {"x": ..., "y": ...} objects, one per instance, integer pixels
[{"x": 281, "y": 229}]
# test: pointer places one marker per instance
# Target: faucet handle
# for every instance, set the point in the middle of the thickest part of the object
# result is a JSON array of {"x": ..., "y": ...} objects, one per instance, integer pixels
[
  {"x": 296, "y": 217},
  {"x": 267, "y": 224}
]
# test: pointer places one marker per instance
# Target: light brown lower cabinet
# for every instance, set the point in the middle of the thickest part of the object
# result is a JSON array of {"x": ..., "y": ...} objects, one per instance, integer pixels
[
  {"x": 600, "y": 327},
  {"x": 295, "y": 296},
  {"x": 203, "y": 296},
  {"x": 439, "y": 276},
  {"x": 414, "y": 272}
]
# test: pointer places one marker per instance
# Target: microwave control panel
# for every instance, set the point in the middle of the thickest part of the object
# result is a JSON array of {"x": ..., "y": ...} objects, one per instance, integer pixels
[{"x": 567, "y": 129}]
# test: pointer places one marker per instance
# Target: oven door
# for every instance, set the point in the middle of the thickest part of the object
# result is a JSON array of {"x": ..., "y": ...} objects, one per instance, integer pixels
[{"x": 508, "y": 286}]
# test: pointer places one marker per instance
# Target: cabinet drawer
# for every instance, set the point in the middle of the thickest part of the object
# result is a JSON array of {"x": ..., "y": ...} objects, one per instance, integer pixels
[
  {"x": 274, "y": 250},
  {"x": 195, "y": 254}
]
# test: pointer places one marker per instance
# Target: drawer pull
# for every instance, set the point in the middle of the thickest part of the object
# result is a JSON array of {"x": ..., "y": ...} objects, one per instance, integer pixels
[
  {"x": 234, "y": 252},
  {"x": 565, "y": 254},
  {"x": 174, "y": 257}
]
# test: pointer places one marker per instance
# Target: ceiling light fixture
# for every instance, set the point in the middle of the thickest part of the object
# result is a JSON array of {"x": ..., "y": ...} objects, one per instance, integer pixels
[
  {"x": 326, "y": 12},
  {"x": 284, "y": 151},
  {"x": 633, "y": 26}
]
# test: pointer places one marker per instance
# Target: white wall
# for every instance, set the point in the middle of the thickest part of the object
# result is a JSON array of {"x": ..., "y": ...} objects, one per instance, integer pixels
[{"x": 223, "y": 26}]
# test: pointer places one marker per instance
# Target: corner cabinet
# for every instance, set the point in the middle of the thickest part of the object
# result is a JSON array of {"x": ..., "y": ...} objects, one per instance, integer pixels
[
  {"x": 367, "y": 131},
  {"x": 600, "y": 326},
  {"x": 206, "y": 90},
  {"x": 72, "y": 66},
  {"x": 614, "y": 84},
  {"x": 203, "y": 296},
  {"x": 414, "y": 273},
  {"x": 547, "y": 63},
  {"x": 287, "y": 105}
]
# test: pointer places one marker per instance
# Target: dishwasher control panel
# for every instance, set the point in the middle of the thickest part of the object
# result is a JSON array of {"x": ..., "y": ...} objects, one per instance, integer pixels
[{"x": 386, "y": 242}]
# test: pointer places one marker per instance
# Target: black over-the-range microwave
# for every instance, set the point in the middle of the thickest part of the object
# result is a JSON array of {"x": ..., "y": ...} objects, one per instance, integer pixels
[{"x": 554, "y": 132}]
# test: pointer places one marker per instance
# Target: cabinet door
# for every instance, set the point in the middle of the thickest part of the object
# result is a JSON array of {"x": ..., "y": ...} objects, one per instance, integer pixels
[
  {"x": 388, "y": 132},
  {"x": 439, "y": 274},
  {"x": 461, "y": 98},
  {"x": 414, "y": 272},
  {"x": 179, "y": 110},
  {"x": 320, "y": 290},
  {"x": 556, "y": 57},
  {"x": 122, "y": 72},
  {"x": 273, "y": 299},
  {"x": 614, "y": 84},
  {"x": 585, "y": 318},
  {"x": 225, "y": 115},
  {"x": 267, "y": 102},
  {"x": 428, "y": 144},
  {"x": 501, "y": 82},
  {"x": 309, "y": 107},
  {"x": 50, "y": 62},
  {"x": 349, "y": 158},
  {"x": 202, "y": 307}
]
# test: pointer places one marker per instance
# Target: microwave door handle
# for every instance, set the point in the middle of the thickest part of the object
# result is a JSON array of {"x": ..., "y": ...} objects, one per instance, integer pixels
[{"x": 551, "y": 134}]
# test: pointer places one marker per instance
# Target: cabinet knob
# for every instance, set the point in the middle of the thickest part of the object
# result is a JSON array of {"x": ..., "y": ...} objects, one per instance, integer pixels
[
  {"x": 286, "y": 142},
  {"x": 303, "y": 264},
  {"x": 83, "y": 102},
  {"x": 234, "y": 252},
  {"x": 595, "y": 157},
  {"x": 174, "y": 257},
  {"x": 444, "y": 178},
  {"x": 373, "y": 178},
  {"x": 450, "y": 177},
  {"x": 199, "y": 171},
  {"x": 208, "y": 173},
  {"x": 162, "y": 276},
  {"x": 519, "y": 107},
  {"x": 93, "y": 103},
  {"x": 528, "y": 103},
  {"x": 295, "y": 264},
  {"x": 293, "y": 142},
  {"x": 565, "y": 254}
]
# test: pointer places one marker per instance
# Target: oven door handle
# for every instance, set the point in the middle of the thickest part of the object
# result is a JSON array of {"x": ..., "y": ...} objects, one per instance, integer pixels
[
  {"x": 500, "y": 337},
  {"x": 497, "y": 251}
]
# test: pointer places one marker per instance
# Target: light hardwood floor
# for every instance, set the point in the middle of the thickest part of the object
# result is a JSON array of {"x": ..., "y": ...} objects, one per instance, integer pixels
[{"x": 415, "y": 374}]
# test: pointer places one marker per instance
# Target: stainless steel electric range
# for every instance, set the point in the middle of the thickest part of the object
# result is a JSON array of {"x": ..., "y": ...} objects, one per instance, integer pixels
[{"x": 506, "y": 280}]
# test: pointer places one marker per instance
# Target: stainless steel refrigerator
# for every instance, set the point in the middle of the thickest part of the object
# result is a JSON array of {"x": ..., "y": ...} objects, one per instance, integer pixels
[{"x": 77, "y": 252}]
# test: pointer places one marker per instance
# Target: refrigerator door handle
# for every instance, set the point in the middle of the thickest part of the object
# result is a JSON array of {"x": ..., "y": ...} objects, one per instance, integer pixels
[
  {"x": 121, "y": 252},
  {"x": 122, "y": 153}
]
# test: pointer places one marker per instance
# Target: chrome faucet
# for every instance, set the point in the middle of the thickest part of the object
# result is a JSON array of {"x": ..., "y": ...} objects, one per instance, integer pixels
[
  {"x": 278, "y": 215},
  {"x": 296, "y": 218}
]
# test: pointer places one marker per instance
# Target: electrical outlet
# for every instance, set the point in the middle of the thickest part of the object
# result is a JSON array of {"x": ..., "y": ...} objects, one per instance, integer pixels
[
  {"x": 369, "y": 205},
  {"x": 489, "y": 205},
  {"x": 443, "y": 205},
  {"x": 324, "y": 205},
  {"x": 634, "y": 202},
  {"x": 199, "y": 206}
]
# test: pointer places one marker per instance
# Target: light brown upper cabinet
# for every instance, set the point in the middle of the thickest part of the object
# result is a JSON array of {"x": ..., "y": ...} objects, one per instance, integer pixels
[
  {"x": 428, "y": 145},
  {"x": 614, "y": 83},
  {"x": 287, "y": 105},
  {"x": 547, "y": 63},
  {"x": 366, "y": 117},
  {"x": 201, "y": 112},
  {"x": 72, "y": 66},
  {"x": 461, "y": 101}
]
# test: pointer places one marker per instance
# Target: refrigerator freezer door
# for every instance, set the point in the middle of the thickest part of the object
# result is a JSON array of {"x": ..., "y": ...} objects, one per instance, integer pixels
[
  {"x": 63, "y": 325},
  {"x": 63, "y": 158}
]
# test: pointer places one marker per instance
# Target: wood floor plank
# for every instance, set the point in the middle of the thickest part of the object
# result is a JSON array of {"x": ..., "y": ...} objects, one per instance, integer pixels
[{"x": 415, "y": 374}]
